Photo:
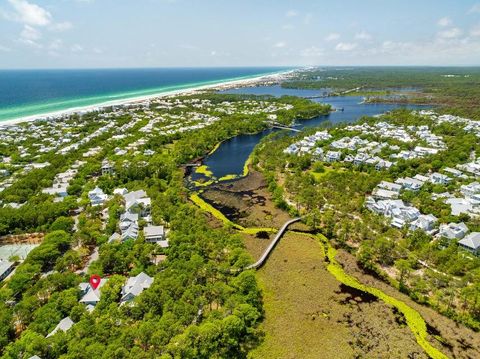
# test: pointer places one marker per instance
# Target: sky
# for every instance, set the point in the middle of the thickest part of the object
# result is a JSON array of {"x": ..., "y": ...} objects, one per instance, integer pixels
[{"x": 198, "y": 33}]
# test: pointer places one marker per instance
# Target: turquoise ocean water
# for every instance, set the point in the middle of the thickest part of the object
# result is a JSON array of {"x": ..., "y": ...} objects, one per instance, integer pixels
[{"x": 36, "y": 92}]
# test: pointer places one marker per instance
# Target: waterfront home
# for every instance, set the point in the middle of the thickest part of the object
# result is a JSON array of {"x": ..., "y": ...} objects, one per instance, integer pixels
[
  {"x": 135, "y": 286},
  {"x": 91, "y": 296},
  {"x": 424, "y": 222},
  {"x": 453, "y": 230},
  {"x": 97, "y": 196},
  {"x": 64, "y": 325},
  {"x": 471, "y": 243}
]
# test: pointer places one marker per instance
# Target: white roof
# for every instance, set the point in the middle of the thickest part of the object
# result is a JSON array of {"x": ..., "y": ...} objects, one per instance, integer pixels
[
  {"x": 64, "y": 325},
  {"x": 471, "y": 241},
  {"x": 136, "y": 285}
]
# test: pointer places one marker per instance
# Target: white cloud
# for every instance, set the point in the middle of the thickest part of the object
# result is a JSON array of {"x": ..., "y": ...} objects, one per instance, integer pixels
[
  {"x": 213, "y": 53},
  {"x": 451, "y": 33},
  {"x": 345, "y": 46},
  {"x": 30, "y": 33},
  {"x": 280, "y": 44},
  {"x": 288, "y": 27},
  {"x": 444, "y": 22},
  {"x": 332, "y": 36},
  {"x": 291, "y": 13},
  {"x": 76, "y": 48},
  {"x": 61, "y": 26},
  {"x": 312, "y": 51},
  {"x": 475, "y": 9},
  {"x": 29, "y": 14},
  {"x": 363, "y": 35}
]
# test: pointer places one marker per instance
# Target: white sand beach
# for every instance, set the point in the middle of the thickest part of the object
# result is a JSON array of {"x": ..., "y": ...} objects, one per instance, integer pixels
[{"x": 133, "y": 100}]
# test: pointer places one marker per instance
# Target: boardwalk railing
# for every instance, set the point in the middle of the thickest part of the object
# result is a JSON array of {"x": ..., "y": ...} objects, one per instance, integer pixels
[{"x": 272, "y": 245}]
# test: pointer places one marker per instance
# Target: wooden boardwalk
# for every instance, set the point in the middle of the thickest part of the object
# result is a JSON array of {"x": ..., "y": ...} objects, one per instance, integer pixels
[{"x": 272, "y": 245}]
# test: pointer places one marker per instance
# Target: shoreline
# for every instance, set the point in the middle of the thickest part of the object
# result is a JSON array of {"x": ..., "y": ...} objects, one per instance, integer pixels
[{"x": 219, "y": 86}]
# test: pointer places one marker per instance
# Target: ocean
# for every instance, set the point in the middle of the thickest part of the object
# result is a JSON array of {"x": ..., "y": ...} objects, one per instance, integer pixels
[{"x": 36, "y": 92}]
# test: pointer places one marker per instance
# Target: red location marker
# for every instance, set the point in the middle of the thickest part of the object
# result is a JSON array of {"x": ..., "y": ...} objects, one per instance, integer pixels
[{"x": 95, "y": 281}]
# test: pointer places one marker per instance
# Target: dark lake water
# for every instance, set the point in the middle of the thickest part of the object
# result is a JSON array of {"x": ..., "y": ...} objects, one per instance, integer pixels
[{"x": 230, "y": 157}]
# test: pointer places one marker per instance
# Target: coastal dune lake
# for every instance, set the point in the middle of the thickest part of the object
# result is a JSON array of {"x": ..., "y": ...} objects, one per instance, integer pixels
[
  {"x": 230, "y": 157},
  {"x": 35, "y": 92}
]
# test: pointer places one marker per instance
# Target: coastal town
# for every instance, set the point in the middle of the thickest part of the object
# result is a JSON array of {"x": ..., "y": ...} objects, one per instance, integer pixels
[
  {"x": 106, "y": 203},
  {"x": 186, "y": 179},
  {"x": 92, "y": 194}
]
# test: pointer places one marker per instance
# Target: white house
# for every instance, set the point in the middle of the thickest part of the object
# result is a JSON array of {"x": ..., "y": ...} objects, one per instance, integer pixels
[
  {"x": 438, "y": 178},
  {"x": 91, "y": 296},
  {"x": 332, "y": 156},
  {"x": 130, "y": 233},
  {"x": 411, "y": 184},
  {"x": 97, "y": 197},
  {"x": 453, "y": 230},
  {"x": 424, "y": 222},
  {"x": 134, "y": 286},
  {"x": 137, "y": 200},
  {"x": 154, "y": 234},
  {"x": 64, "y": 325},
  {"x": 471, "y": 243}
]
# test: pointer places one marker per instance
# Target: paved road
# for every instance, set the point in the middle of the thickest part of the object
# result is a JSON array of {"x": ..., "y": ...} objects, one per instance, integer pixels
[{"x": 272, "y": 245}]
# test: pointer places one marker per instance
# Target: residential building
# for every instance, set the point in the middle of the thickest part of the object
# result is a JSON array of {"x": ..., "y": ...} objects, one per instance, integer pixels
[
  {"x": 97, "y": 197},
  {"x": 471, "y": 243},
  {"x": 453, "y": 230},
  {"x": 64, "y": 325},
  {"x": 134, "y": 286},
  {"x": 424, "y": 222},
  {"x": 91, "y": 296},
  {"x": 154, "y": 234}
]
